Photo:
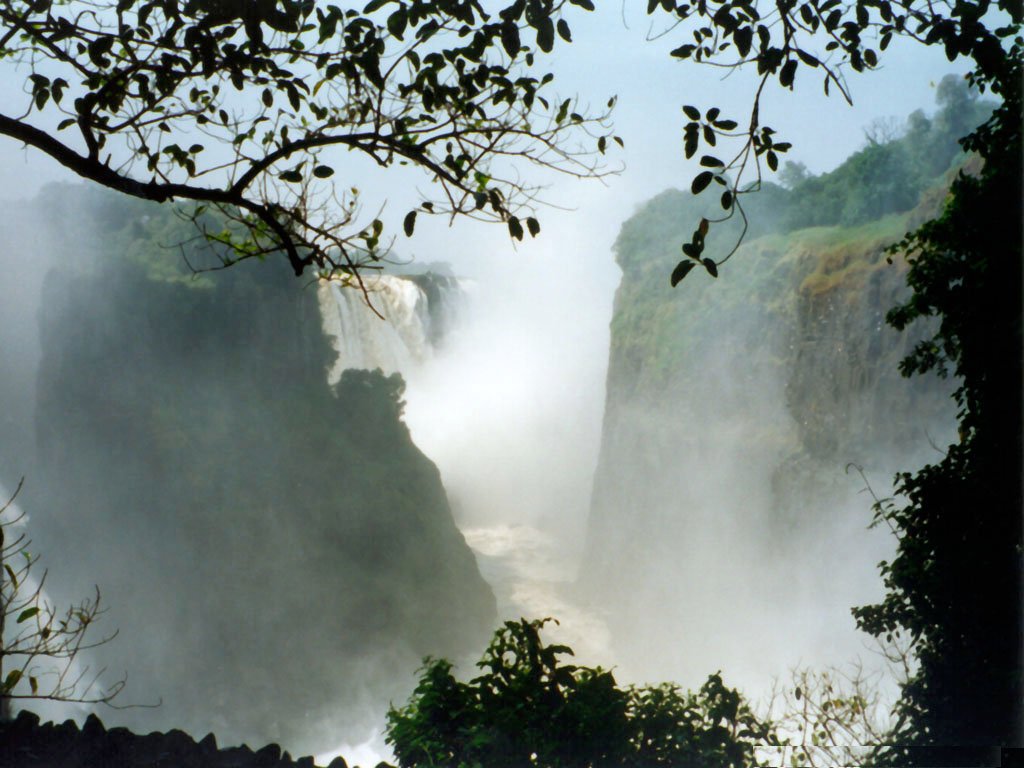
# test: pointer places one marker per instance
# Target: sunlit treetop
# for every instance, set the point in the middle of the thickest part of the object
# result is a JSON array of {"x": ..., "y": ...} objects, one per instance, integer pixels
[
  {"x": 826, "y": 40},
  {"x": 251, "y": 107}
]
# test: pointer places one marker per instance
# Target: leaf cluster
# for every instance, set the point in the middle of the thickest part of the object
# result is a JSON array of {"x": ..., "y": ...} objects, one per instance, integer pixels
[
  {"x": 529, "y": 708},
  {"x": 39, "y": 644},
  {"x": 955, "y": 584},
  {"x": 778, "y": 40},
  {"x": 251, "y": 106}
]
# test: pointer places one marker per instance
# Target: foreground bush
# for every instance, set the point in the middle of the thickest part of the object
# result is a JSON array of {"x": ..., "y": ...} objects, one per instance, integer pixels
[{"x": 528, "y": 709}]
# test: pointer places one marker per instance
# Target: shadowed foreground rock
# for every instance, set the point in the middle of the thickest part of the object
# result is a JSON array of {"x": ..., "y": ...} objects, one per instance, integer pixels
[{"x": 27, "y": 743}]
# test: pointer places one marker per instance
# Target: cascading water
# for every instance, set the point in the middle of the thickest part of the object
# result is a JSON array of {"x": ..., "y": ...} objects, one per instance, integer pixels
[{"x": 402, "y": 329}]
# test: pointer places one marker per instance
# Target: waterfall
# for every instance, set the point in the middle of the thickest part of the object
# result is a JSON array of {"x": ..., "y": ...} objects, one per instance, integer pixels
[{"x": 395, "y": 325}]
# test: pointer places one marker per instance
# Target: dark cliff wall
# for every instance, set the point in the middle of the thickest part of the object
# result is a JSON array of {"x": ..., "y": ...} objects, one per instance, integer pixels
[{"x": 277, "y": 556}]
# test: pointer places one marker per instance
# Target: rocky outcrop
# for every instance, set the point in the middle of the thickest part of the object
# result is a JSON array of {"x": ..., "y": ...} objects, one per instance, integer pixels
[
  {"x": 27, "y": 743},
  {"x": 733, "y": 410},
  {"x": 276, "y": 553}
]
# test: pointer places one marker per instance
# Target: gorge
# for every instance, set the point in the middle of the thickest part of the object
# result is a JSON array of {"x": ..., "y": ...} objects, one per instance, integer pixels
[{"x": 278, "y": 552}]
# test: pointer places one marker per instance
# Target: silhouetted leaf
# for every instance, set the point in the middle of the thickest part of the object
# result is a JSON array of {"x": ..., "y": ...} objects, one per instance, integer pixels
[
  {"x": 788, "y": 73},
  {"x": 27, "y": 614},
  {"x": 409, "y": 223},
  {"x": 397, "y": 22},
  {"x": 694, "y": 249},
  {"x": 12, "y": 680},
  {"x": 701, "y": 182},
  {"x": 807, "y": 58},
  {"x": 510, "y": 38},
  {"x": 682, "y": 270},
  {"x": 545, "y": 34}
]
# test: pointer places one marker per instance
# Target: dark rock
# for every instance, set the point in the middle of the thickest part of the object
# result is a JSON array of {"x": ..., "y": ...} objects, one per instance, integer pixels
[
  {"x": 93, "y": 727},
  {"x": 26, "y": 719},
  {"x": 123, "y": 741},
  {"x": 237, "y": 757},
  {"x": 267, "y": 445},
  {"x": 209, "y": 743},
  {"x": 177, "y": 745},
  {"x": 25, "y": 743},
  {"x": 268, "y": 755},
  {"x": 63, "y": 736}
]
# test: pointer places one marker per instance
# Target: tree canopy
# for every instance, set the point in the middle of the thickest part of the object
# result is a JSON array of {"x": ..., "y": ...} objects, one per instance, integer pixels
[
  {"x": 954, "y": 586},
  {"x": 250, "y": 107},
  {"x": 827, "y": 38}
]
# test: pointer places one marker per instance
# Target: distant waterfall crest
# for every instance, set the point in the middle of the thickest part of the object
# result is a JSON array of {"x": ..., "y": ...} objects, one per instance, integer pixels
[{"x": 418, "y": 311}]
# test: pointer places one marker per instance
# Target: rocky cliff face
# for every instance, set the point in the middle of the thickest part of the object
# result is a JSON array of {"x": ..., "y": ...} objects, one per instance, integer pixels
[
  {"x": 721, "y": 509},
  {"x": 275, "y": 552}
]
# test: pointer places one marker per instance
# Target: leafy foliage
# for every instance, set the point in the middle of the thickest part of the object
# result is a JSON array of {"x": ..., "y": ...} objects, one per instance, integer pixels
[
  {"x": 888, "y": 176},
  {"x": 39, "y": 645},
  {"x": 248, "y": 107},
  {"x": 529, "y": 709},
  {"x": 955, "y": 584},
  {"x": 825, "y": 37},
  {"x": 836, "y": 716}
]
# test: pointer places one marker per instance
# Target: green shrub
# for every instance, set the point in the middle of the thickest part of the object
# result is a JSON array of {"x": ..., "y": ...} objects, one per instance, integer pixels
[{"x": 528, "y": 709}]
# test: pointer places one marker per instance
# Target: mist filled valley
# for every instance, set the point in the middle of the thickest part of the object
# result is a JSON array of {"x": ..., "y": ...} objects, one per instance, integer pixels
[{"x": 289, "y": 492}]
